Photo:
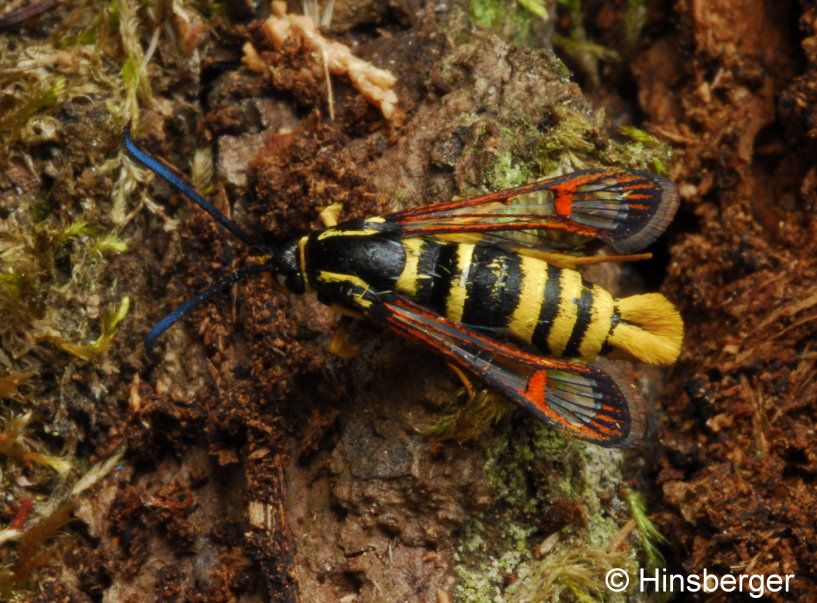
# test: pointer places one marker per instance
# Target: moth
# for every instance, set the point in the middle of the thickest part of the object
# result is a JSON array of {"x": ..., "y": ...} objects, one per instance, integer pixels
[{"x": 489, "y": 283}]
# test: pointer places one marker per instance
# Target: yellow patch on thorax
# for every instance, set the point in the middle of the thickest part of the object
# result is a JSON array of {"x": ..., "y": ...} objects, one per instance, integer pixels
[
  {"x": 302, "y": 263},
  {"x": 336, "y": 277}
]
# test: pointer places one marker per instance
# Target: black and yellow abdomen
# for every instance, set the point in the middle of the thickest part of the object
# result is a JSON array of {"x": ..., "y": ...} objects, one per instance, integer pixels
[
  {"x": 485, "y": 287},
  {"x": 520, "y": 297}
]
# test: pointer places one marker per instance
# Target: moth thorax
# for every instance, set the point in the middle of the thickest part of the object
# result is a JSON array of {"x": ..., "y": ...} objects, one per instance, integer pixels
[{"x": 288, "y": 267}]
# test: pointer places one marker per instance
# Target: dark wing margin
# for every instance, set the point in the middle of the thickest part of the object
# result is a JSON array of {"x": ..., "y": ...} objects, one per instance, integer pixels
[
  {"x": 627, "y": 209},
  {"x": 632, "y": 208},
  {"x": 595, "y": 402}
]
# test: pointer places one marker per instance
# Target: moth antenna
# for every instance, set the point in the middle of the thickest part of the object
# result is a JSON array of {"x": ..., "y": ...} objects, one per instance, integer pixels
[
  {"x": 182, "y": 311},
  {"x": 169, "y": 176}
]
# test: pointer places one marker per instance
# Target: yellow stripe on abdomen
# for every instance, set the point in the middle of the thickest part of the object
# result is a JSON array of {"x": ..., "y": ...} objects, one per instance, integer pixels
[
  {"x": 570, "y": 283},
  {"x": 408, "y": 283},
  {"x": 525, "y": 316},
  {"x": 601, "y": 320},
  {"x": 458, "y": 292}
]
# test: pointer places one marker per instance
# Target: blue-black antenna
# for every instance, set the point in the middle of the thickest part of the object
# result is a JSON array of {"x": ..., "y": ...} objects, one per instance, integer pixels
[
  {"x": 180, "y": 312},
  {"x": 169, "y": 176}
]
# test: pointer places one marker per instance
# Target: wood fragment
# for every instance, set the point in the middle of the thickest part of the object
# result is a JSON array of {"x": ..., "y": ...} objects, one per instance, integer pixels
[{"x": 373, "y": 83}]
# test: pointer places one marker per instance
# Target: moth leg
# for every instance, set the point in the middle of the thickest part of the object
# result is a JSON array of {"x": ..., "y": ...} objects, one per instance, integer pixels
[
  {"x": 346, "y": 312},
  {"x": 329, "y": 215},
  {"x": 340, "y": 346},
  {"x": 466, "y": 382}
]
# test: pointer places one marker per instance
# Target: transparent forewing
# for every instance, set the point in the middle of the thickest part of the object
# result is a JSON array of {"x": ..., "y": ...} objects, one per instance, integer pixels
[
  {"x": 588, "y": 401},
  {"x": 627, "y": 209}
]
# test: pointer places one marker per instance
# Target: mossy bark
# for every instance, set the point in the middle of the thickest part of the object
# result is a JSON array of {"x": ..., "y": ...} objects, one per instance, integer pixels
[{"x": 258, "y": 465}]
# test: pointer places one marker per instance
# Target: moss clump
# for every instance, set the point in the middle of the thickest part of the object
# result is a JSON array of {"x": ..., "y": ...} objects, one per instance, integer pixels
[
  {"x": 651, "y": 538},
  {"x": 641, "y": 149},
  {"x": 513, "y": 19},
  {"x": 14, "y": 444},
  {"x": 536, "y": 472},
  {"x": 110, "y": 319},
  {"x": 65, "y": 281},
  {"x": 574, "y": 142},
  {"x": 467, "y": 421}
]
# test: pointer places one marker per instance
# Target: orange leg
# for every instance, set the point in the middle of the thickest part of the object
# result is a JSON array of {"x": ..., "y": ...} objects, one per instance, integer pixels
[
  {"x": 340, "y": 346},
  {"x": 469, "y": 387}
]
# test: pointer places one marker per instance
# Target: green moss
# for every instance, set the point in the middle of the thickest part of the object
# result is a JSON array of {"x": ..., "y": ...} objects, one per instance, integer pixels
[
  {"x": 635, "y": 17},
  {"x": 651, "y": 538},
  {"x": 506, "y": 172},
  {"x": 572, "y": 571},
  {"x": 101, "y": 22},
  {"x": 641, "y": 149},
  {"x": 575, "y": 139},
  {"x": 599, "y": 64},
  {"x": 110, "y": 244},
  {"x": 572, "y": 138},
  {"x": 75, "y": 229},
  {"x": 468, "y": 420},
  {"x": 36, "y": 293},
  {"x": 513, "y": 19},
  {"x": 110, "y": 319},
  {"x": 130, "y": 74},
  {"x": 531, "y": 468},
  {"x": 60, "y": 297},
  {"x": 10, "y": 384},
  {"x": 30, "y": 97},
  {"x": 571, "y": 563},
  {"x": 14, "y": 444}
]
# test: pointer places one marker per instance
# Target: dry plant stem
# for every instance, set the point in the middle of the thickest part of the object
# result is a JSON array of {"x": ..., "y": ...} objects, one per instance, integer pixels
[
  {"x": 25, "y": 13},
  {"x": 373, "y": 83}
]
